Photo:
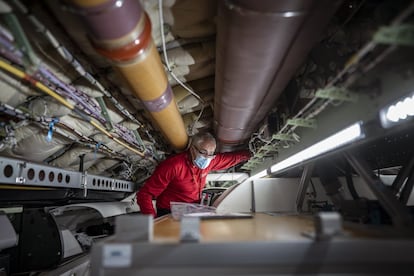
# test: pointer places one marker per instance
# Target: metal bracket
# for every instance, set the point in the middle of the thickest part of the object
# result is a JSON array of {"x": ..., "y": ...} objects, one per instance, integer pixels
[
  {"x": 336, "y": 93},
  {"x": 18, "y": 172},
  {"x": 84, "y": 185},
  {"x": 395, "y": 35},
  {"x": 303, "y": 185},
  {"x": 398, "y": 212},
  {"x": 190, "y": 229},
  {"x": 327, "y": 225},
  {"x": 105, "y": 113},
  {"x": 259, "y": 155},
  {"x": 284, "y": 137},
  {"x": 112, "y": 184},
  {"x": 269, "y": 148},
  {"x": 248, "y": 166},
  {"x": 310, "y": 123},
  {"x": 255, "y": 161},
  {"x": 21, "y": 179}
]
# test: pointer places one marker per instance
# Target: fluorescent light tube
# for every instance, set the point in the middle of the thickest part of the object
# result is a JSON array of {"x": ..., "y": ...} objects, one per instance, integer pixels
[
  {"x": 343, "y": 137},
  {"x": 398, "y": 112},
  {"x": 257, "y": 175},
  {"x": 239, "y": 177}
]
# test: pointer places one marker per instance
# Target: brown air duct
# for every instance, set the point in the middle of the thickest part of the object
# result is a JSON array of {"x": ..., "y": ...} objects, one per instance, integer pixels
[
  {"x": 260, "y": 45},
  {"x": 121, "y": 31}
]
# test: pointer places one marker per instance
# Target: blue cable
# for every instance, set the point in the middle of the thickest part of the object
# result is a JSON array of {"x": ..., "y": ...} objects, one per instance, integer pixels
[
  {"x": 97, "y": 146},
  {"x": 50, "y": 132}
]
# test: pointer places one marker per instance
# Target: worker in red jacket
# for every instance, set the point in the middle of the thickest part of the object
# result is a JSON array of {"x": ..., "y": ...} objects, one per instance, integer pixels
[{"x": 182, "y": 177}]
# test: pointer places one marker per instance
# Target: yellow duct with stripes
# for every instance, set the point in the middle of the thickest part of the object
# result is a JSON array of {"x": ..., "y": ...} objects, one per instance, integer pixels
[{"x": 121, "y": 31}]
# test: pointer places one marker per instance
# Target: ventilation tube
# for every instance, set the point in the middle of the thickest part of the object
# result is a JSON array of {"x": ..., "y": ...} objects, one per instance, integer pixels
[
  {"x": 121, "y": 31},
  {"x": 260, "y": 45}
]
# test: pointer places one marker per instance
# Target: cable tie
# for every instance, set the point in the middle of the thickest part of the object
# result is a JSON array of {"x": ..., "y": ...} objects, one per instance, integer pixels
[
  {"x": 97, "y": 146},
  {"x": 50, "y": 132}
]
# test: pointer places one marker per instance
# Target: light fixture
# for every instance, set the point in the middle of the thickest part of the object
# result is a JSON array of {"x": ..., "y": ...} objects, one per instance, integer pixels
[
  {"x": 291, "y": 14},
  {"x": 257, "y": 175},
  {"x": 398, "y": 112},
  {"x": 216, "y": 177},
  {"x": 341, "y": 138}
]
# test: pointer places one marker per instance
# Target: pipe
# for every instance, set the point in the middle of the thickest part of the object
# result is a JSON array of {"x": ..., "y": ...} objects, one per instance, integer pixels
[
  {"x": 260, "y": 45},
  {"x": 80, "y": 69},
  {"x": 68, "y": 57},
  {"x": 121, "y": 31}
]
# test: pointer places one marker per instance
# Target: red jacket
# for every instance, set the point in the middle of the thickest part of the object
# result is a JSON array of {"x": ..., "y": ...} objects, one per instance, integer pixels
[{"x": 178, "y": 179}]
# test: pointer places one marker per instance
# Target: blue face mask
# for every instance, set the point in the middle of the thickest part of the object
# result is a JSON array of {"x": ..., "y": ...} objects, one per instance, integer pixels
[{"x": 202, "y": 162}]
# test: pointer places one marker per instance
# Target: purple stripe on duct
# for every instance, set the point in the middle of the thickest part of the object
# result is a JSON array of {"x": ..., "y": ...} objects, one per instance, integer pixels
[
  {"x": 161, "y": 102},
  {"x": 100, "y": 19}
]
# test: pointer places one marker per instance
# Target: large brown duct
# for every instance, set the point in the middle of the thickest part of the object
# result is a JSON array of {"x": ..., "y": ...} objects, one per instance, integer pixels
[
  {"x": 260, "y": 45},
  {"x": 121, "y": 31}
]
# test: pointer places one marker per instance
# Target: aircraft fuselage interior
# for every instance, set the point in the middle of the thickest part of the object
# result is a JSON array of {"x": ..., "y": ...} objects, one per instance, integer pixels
[{"x": 95, "y": 94}]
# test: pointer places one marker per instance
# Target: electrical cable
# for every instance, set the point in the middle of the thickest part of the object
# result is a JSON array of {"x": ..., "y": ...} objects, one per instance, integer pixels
[
  {"x": 32, "y": 81},
  {"x": 65, "y": 54},
  {"x": 45, "y": 123},
  {"x": 317, "y": 105},
  {"x": 164, "y": 50}
]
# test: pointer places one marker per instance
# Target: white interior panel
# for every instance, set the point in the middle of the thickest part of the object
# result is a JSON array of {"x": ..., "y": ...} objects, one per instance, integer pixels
[
  {"x": 276, "y": 194},
  {"x": 239, "y": 199}
]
